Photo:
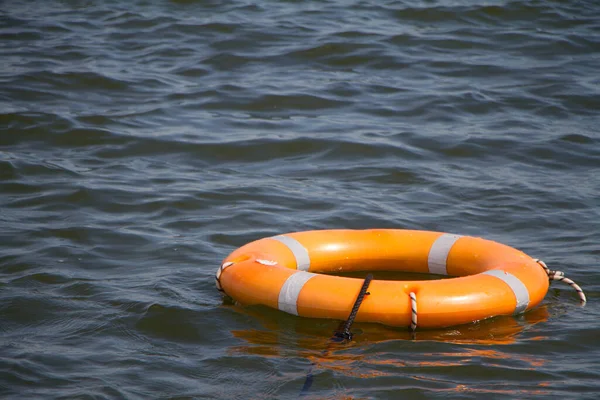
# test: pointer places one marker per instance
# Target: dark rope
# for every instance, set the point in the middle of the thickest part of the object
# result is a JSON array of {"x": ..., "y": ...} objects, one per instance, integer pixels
[
  {"x": 341, "y": 334},
  {"x": 344, "y": 333}
]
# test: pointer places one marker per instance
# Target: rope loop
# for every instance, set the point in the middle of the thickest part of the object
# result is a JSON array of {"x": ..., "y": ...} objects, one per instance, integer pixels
[
  {"x": 560, "y": 276},
  {"x": 413, "y": 308},
  {"x": 218, "y": 275}
]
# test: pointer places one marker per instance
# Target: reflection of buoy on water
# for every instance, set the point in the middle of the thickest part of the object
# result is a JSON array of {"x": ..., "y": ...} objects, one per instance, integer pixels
[
  {"x": 307, "y": 338},
  {"x": 293, "y": 273},
  {"x": 277, "y": 337}
]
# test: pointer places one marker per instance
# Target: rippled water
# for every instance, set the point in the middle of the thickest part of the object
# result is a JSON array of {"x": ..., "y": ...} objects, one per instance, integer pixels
[{"x": 141, "y": 142}]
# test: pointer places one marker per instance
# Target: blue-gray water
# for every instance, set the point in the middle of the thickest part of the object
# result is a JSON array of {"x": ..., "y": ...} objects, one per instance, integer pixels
[{"x": 142, "y": 141}]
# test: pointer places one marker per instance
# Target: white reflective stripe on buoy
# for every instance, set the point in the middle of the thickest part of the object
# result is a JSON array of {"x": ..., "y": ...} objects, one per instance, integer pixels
[
  {"x": 299, "y": 251},
  {"x": 288, "y": 295},
  {"x": 515, "y": 284},
  {"x": 438, "y": 254}
]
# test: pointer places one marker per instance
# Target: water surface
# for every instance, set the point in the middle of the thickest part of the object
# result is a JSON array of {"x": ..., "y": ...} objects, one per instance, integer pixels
[{"x": 141, "y": 142}]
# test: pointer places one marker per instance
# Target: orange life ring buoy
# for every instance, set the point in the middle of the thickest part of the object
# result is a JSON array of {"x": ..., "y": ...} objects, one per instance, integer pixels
[{"x": 293, "y": 273}]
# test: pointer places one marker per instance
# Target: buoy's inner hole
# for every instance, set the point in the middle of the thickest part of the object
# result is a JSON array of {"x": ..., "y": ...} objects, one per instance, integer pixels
[{"x": 392, "y": 275}]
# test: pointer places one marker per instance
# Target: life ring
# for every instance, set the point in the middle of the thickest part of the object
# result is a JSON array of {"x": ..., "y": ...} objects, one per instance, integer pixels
[{"x": 294, "y": 273}]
